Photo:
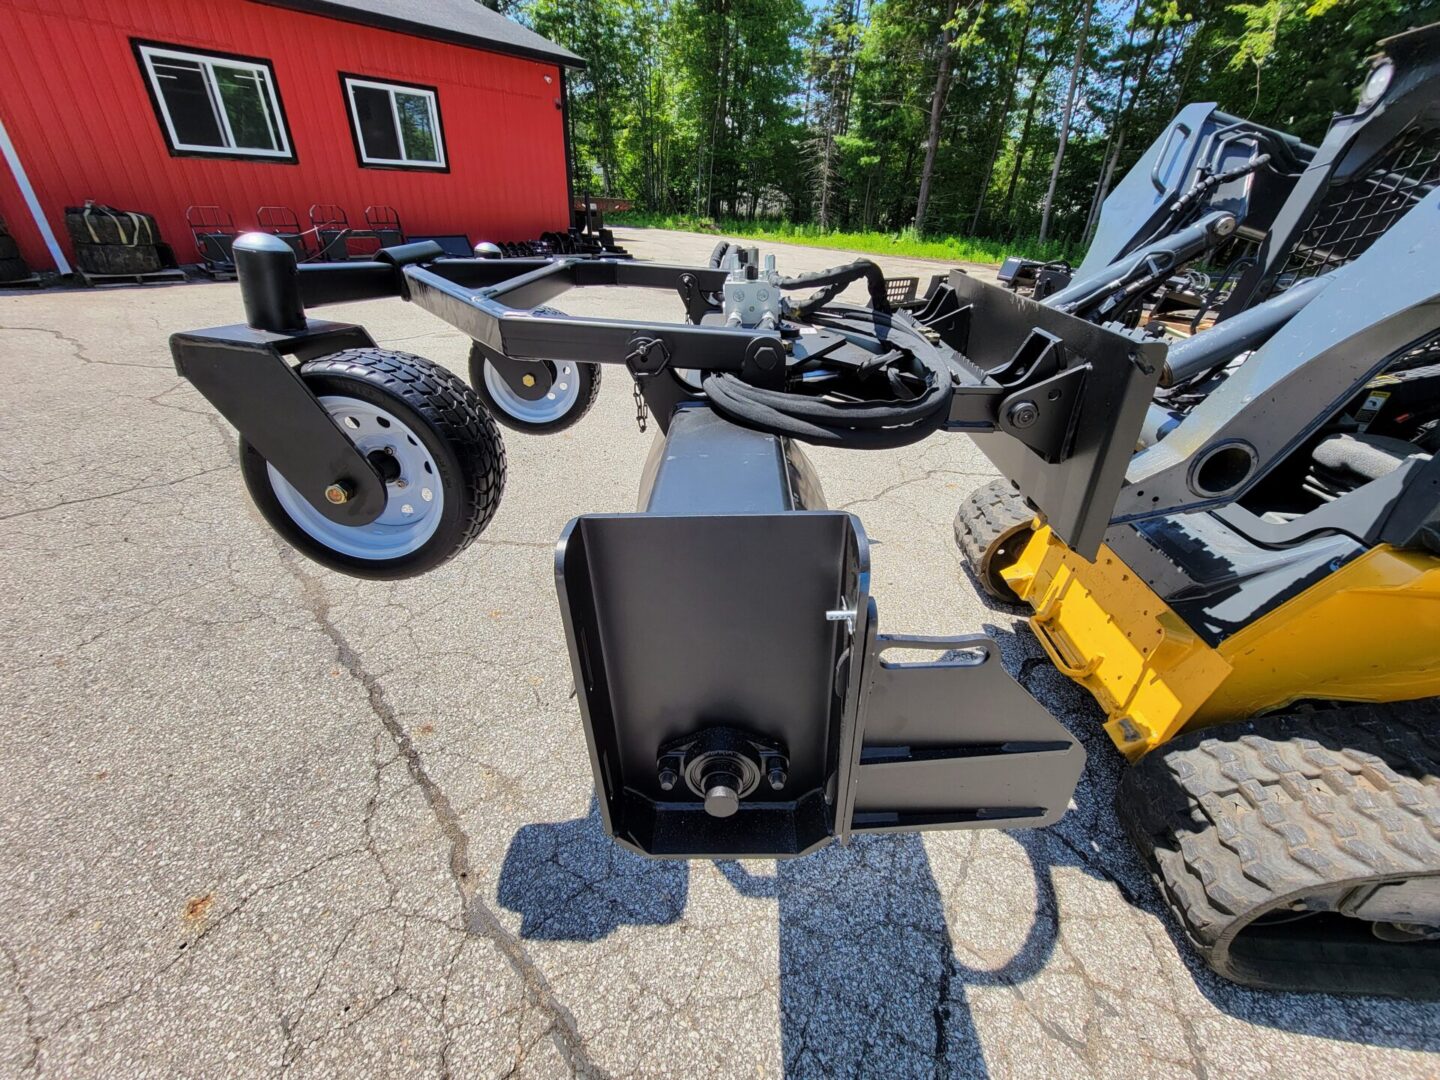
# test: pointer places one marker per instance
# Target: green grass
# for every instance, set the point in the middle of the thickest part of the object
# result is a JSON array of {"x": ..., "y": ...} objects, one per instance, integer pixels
[{"x": 903, "y": 244}]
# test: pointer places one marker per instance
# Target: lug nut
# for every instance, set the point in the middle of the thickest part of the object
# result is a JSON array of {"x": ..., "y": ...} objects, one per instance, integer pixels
[{"x": 339, "y": 492}]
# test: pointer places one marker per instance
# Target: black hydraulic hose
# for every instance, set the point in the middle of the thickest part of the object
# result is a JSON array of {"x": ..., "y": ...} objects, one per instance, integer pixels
[
  {"x": 1182, "y": 206},
  {"x": 854, "y": 425},
  {"x": 832, "y": 281},
  {"x": 1103, "y": 292},
  {"x": 742, "y": 404}
]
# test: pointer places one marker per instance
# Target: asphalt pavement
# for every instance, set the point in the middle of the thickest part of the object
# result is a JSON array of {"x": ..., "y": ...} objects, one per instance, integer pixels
[{"x": 257, "y": 817}]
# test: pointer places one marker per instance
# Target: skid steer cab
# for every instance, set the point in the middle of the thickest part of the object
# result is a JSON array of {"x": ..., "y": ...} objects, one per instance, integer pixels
[{"x": 737, "y": 694}]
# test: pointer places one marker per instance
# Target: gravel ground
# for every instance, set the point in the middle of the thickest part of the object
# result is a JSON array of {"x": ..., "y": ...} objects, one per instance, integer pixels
[{"x": 258, "y": 817}]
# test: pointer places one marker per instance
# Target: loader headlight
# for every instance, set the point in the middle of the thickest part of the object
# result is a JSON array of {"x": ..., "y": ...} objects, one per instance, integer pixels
[{"x": 1377, "y": 83}]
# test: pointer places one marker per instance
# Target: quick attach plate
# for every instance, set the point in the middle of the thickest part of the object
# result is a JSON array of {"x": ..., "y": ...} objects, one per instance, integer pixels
[{"x": 1069, "y": 398}]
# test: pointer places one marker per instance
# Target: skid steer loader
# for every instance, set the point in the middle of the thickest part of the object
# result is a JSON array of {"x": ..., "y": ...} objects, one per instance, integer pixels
[{"x": 1261, "y": 625}]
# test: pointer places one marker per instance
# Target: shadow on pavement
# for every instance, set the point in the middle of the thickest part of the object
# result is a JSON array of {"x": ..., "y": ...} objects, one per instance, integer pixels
[
  {"x": 570, "y": 882},
  {"x": 869, "y": 982},
  {"x": 869, "y": 979}
]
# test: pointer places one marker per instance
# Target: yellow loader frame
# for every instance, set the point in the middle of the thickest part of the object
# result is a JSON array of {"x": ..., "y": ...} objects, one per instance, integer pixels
[{"x": 1368, "y": 632}]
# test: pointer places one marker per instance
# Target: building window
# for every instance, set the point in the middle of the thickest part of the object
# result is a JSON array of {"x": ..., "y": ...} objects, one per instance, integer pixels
[
  {"x": 210, "y": 103},
  {"x": 396, "y": 125}
]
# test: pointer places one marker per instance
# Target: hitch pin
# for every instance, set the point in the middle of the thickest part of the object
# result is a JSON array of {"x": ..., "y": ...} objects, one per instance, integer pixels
[{"x": 845, "y": 615}]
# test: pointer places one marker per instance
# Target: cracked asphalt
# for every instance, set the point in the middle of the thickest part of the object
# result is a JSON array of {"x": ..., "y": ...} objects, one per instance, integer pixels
[{"x": 256, "y": 817}]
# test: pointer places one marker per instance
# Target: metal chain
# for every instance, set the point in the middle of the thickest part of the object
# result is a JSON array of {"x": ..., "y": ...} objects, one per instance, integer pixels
[
  {"x": 642, "y": 411},
  {"x": 639, "y": 354}
]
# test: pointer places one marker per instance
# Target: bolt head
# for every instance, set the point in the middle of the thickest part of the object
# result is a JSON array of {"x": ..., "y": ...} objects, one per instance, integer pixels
[
  {"x": 1023, "y": 413},
  {"x": 338, "y": 493},
  {"x": 527, "y": 380},
  {"x": 777, "y": 778},
  {"x": 668, "y": 779},
  {"x": 766, "y": 357}
]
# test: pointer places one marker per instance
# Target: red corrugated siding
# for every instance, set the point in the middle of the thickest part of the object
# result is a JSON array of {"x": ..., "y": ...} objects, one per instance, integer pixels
[{"x": 74, "y": 103}]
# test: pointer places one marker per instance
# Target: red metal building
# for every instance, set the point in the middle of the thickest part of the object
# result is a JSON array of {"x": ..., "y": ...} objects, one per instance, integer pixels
[{"x": 442, "y": 109}]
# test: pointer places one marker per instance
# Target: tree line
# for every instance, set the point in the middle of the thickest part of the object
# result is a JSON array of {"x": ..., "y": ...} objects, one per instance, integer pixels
[{"x": 1009, "y": 119}]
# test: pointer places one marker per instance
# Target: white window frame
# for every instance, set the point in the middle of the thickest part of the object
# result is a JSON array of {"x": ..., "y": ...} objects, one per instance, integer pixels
[
  {"x": 352, "y": 81},
  {"x": 274, "y": 118}
]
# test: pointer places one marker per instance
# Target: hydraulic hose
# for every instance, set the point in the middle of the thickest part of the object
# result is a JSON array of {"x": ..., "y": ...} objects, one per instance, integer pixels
[
  {"x": 832, "y": 281},
  {"x": 852, "y": 425},
  {"x": 1182, "y": 206},
  {"x": 1120, "y": 282}
]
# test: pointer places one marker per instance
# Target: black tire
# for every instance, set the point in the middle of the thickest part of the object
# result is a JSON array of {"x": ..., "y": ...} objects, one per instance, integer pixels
[
  {"x": 450, "y": 421},
  {"x": 9, "y": 249},
  {"x": 587, "y": 377},
  {"x": 991, "y": 527},
  {"x": 1241, "y": 823},
  {"x": 121, "y": 259},
  {"x": 13, "y": 270}
]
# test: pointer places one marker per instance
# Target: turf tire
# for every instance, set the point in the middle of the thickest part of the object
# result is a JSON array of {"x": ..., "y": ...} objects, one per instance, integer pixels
[{"x": 448, "y": 418}]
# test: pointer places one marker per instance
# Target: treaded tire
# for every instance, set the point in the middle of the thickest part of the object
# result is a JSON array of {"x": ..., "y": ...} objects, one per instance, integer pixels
[
  {"x": 586, "y": 375},
  {"x": 990, "y": 529},
  {"x": 447, "y": 417},
  {"x": 1240, "y": 822},
  {"x": 13, "y": 270}
]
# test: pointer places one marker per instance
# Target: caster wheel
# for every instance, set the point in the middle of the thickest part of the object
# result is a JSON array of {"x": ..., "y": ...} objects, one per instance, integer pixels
[
  {"x": 437, "y": 447},
  {"x": 573, "y": 392}
]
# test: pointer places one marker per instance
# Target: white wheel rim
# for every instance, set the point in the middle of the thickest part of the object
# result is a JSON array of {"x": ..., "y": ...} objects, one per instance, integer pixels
[
  {"x": 564, "y": 394},
  {"x": 414, "y": 500}
]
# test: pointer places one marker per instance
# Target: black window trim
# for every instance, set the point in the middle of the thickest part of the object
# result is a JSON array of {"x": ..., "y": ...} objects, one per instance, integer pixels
[
  {"x": 353, "y": 123},
  {"x": 225, "y": 153}
]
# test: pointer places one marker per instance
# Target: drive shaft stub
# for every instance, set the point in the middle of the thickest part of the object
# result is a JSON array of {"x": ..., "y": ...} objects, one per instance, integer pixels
[{"x": 721, "y": 766}]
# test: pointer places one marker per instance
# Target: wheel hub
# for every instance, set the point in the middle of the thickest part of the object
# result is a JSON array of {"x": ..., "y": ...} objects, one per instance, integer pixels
[
  {"x": 414, "y": 499},
  {"x": 563, "y": 395}
]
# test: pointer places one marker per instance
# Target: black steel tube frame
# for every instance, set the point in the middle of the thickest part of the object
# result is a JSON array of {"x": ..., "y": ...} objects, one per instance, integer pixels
[
  {"x": 502, "y": 318},
  {"x": 1053, "y": 395}
]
